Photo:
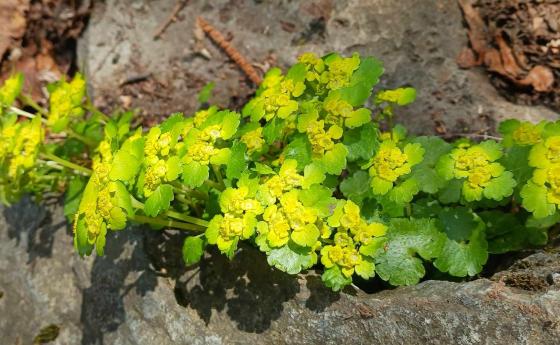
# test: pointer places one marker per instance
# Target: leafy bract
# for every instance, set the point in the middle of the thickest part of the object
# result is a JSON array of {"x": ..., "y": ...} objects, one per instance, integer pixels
[
  {"x": 159, "y": 201},
  {"x": 193, "y": 249},
  {"x": 292, "y": 258}
]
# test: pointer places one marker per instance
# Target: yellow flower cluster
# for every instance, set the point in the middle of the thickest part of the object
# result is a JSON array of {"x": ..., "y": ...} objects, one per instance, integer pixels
[
  {"x": 353, "y": 232},
  {"x": 526, "y": 134},
  {"x": 254, "y": 140},
  {"x": 20, "y": 146},
  {"x": 157, "y": 150},
  {"x": 238, "y": 221},
  {"x": 320, "y": 139},
  {"x": 390, "y": 163},
  {"x": 290, "y": 218},
  {"x": 545, "y": 157}
]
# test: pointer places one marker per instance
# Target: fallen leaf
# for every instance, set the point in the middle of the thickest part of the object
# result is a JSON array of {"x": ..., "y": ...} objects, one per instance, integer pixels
[
  {"x": 540, "y": 77},
  {"x": 12, "y": 22}
]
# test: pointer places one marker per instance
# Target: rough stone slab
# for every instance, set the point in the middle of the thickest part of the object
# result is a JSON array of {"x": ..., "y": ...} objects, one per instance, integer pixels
[
  {"x": 417, "y": 39},
  {"x": 140, "y": 293}
]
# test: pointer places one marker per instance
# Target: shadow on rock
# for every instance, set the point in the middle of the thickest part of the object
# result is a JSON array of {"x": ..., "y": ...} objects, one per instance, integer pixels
[
  {"x": 250, "y": 292},
  {"x": 123, "y": 268},
  {"x": 31, "y": 225}
]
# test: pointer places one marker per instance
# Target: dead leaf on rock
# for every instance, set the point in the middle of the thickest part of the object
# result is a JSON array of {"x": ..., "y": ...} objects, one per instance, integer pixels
[
  {"x": 517, "y": 41},
  {"x": 12, "y": 22},
  {"x": 540, "y": 77}
]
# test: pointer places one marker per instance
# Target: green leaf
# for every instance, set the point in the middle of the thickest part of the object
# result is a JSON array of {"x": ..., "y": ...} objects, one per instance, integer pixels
[
  {"x": 81, "y": 242},
  {"x": 355, "y": 187},
  {"x": 127, "y": 160},
  {"x": 458, "y": 222},
  {"x": 500, "y": 187},
  {"x": 361, "y": 142},
  {"x": 505, "y": 232},
  {"x": 193, "y": 248},
  {"x": 368, "y": 73},
  {"x": 460, "y": 259},
  {"x": 516, "y": 160},
  {"x": 206, "y": 92},
  {"x": 318, "y": 197},
  {"x": 292, "y": 258},
  {"x": 194, "y": 174},
  {"x": 174, "y": 167},
  {"x": 300, "y": 150},
  {"x": 306, "y": 236},
  {"x": 403, "y": 192},
  {"x": 425, "y": 173},
  {"x": 263, "y": 169},
  {"x": 400, "y": 96},
  {"x": 10, "y": 90},
  {"x": 407, "y": 238},
  {"x": 272, "y": 131},
  {"x": 312, "y": 174},
  {"x": 451, "y": 192},
  {"x": 358, "y": 117},
  {"x": 237, "y": 163},
  {"x": 535, "y": 200},
  {"x": 159, "y": 201},
  {"x": 334, "y": 161},
  {"x": 366, "y": 268},
  {"x": 334, "y": 279},
  {"x": 73, "y": 196}
]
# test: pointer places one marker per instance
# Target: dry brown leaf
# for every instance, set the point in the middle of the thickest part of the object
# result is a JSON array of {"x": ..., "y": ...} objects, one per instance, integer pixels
[
  {"x": 12, "y": 22},
  {"x": 466, "y": 58},
  {"x": 477, "y": 33},
  {"x": 509, "y": 63},
  {"x": 540, "y": 77}
]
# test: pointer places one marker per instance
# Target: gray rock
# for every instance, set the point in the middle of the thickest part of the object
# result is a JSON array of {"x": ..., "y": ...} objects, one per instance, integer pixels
[
  {"x": 417, "y": 39},
  {"x": 140, "y": 293}
]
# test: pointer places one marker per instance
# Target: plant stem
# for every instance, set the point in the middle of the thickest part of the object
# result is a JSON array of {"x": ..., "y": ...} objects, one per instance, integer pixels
[
  {"x": 66, "y": 163},
  {"x": 181, "y": 188},
  {"x": 25, "y": 114},
  {"x": 187, "y": 218},
  {"x": 193, "y": 220},
  {"x": 81, "y": 138},
  {"x": 165, "y": 222},
  {"x": 30, "y": 102},
  {"x": 219, "y": 177}
]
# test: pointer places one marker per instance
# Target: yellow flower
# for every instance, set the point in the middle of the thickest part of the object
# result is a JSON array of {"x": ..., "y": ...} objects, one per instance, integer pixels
[
  {"x": 526, "y": 134},
  {"x": 390, "y": 163},
  {"x": 254, "y": 140},
  {"x": 320, "y": 139}
]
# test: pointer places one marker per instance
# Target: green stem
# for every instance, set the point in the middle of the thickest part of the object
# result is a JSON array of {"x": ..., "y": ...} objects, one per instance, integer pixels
[
  {"x": 214, "y": 184},
  {"x": 165, "y": 222},
  {"x": 181, "y": 188},
  {"x": 193, "y": 220},
  {"x": 25, "y": 114},
  {"x": 30, "y": 102},
  {"x": 66, "y": 163},
  {"x": 187, "y": 218},
  {"x": 89, "y": 106},
  {"x": 81, "y": 138},
  {"x": 218, "y": 174}
]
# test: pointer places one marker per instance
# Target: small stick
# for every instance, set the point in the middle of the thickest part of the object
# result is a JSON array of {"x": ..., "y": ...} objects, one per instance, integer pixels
[
  {"x": 172, "y": 18},
  {"x": 230, "y": 51}
]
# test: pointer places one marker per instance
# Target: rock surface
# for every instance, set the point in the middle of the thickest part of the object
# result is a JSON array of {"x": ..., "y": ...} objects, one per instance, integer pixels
[
  {"x": 417, "y": 39},
  {"x": 139, "y": 293}
]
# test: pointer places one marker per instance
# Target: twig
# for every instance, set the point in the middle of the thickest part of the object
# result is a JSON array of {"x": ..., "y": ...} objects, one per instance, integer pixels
[
  {"x": 172, "y": 18},
  {"x": 135, "y": 79},
  {"x": 233, "y": 54}
]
